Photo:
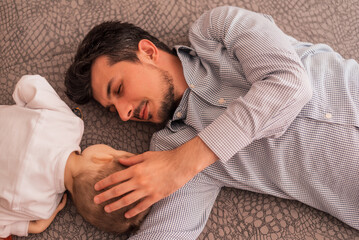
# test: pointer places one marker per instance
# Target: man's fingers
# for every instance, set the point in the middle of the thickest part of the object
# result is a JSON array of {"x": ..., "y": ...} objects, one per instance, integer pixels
[
  {"x": 113, "y": 192},
  {"x": 125, "y": 201},
  {"x": 140, "y": 207},
  {"x": 114, "y": 178},
  {"x": 131, "y": 160}
]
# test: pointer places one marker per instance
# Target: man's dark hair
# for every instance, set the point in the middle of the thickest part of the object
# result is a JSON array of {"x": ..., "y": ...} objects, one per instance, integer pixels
[{"x": 114, "y": 39}]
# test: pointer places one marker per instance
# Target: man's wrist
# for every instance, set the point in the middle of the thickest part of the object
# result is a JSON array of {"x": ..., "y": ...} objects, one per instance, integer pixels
[{"x": 201, "y": 156}]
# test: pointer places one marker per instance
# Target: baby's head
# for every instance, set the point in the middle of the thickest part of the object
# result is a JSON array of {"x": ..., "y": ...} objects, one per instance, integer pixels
[{"x": 101, "y": 161}]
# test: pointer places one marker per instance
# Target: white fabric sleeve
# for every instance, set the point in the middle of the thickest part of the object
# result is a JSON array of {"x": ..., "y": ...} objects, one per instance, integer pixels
[
  {"x": 17, "y": 228},
  {"x": 279, "y": 83},
  {"x": 33, "y": 91}
]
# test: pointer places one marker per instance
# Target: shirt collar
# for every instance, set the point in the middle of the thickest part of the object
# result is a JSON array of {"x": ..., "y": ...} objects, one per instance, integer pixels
[{"x": 180, "y": 113}]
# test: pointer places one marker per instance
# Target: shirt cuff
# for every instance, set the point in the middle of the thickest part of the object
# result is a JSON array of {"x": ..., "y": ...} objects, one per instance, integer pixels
[
  {"x": 20, "y": 228},
  {"x": 224, "y": 137}
]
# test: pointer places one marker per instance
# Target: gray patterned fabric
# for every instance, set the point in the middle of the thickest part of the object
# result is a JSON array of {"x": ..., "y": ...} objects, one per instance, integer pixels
[{"x": 40, "y": 37}]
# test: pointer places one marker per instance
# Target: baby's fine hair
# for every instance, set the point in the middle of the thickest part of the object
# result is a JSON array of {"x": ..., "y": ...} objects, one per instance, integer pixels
[{"x": 84, "y": 193}]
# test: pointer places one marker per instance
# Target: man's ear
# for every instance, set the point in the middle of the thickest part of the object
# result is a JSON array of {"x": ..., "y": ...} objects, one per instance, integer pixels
[
  {"x": 102, "y": 158},
  {"x": 147, "y": 50}
]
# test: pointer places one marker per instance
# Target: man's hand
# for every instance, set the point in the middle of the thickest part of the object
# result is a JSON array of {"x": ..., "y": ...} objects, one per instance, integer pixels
[
  {"x": 39, "y": 226},
  {"x": 154, "y": 176}
]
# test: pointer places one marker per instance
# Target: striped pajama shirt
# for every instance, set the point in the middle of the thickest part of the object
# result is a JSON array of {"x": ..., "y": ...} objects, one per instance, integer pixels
[{"x": 280, "y": 114}]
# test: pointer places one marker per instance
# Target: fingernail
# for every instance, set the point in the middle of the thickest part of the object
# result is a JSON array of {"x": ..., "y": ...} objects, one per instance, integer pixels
[
  {"x": 96, "y": 200},
  {"x": 127, "y": 215},
  {"x": 96, "y": 187},
  {"x": 107, "y": 209}
]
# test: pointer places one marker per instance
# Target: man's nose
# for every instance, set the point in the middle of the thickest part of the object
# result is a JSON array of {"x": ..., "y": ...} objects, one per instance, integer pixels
[{"x": 124, "y": 109}]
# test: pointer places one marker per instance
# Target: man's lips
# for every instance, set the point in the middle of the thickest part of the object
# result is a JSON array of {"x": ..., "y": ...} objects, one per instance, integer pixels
[{"x": 144, "y": 112}]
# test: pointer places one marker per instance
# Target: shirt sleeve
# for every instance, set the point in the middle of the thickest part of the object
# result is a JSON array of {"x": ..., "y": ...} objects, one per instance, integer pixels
[
  {"x": 33, "y": 91},
  {"x": 279, "y": 83},
  {"x": 17, "y": 228},
  {"x": 182, "y": 215}
]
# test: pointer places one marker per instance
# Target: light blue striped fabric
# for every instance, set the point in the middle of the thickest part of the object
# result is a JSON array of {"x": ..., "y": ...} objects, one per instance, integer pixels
[{"x": 247, "y": 89}]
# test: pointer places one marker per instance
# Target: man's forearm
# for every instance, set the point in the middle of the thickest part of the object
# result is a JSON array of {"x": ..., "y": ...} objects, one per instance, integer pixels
[{"x": 197, "y": 154}]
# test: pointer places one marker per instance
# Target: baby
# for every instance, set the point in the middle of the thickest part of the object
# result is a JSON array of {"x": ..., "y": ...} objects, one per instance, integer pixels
[{"x": 40, "y": 159}]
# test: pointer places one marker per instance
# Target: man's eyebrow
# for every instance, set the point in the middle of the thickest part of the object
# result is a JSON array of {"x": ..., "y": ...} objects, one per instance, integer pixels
[{"x": 109, "y": 88}]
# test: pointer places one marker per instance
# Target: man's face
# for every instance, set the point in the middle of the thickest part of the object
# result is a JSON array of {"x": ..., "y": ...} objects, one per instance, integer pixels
[{"x": 137, "y": 91}]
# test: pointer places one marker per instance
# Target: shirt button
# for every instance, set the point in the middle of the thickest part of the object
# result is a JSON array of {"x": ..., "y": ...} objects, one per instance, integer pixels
[
  {"x": 191, "y": 86},
  {"x": 328, "y": 115},
  {"x": 221, "y": 101},
  {"x": 179, "y": 114}
]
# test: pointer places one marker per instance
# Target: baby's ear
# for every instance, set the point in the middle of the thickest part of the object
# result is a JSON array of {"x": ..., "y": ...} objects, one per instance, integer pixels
[
  {"x": 102, "y": 158},
  {"x": 123, "y": 154}
]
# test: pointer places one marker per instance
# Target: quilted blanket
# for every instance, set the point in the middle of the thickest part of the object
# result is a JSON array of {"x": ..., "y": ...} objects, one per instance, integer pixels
[{"x": 41, "y": 37}]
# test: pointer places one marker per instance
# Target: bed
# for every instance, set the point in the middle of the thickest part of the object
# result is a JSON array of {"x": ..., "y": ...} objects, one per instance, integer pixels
[{"x": 41, "y": 37}]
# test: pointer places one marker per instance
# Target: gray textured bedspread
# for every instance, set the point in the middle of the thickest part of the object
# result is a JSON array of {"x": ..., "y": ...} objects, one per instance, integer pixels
[{"x": 40, "y": 37}]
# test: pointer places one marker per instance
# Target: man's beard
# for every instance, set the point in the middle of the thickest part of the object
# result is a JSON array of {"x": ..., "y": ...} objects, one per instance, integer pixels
[{"x": 168, "y": 105}]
